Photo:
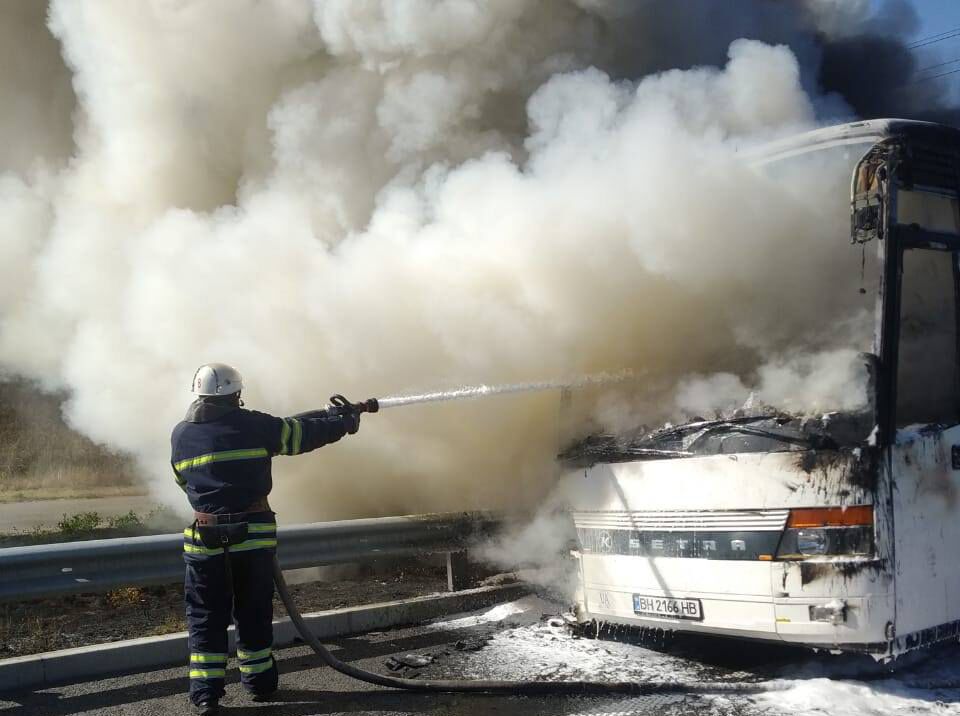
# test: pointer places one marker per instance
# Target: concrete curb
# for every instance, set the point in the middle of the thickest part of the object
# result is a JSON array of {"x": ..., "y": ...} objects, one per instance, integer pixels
[{"x": 111, "y": 659}]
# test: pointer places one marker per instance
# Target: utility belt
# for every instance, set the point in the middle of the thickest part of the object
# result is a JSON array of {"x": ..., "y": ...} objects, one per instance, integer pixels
[{"x": 211, "y": 534}]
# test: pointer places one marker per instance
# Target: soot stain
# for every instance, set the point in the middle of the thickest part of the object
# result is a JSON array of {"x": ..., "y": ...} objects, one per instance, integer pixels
[
  {"x": 812, "y": 571},
  {"x": 854, "y": 470}
]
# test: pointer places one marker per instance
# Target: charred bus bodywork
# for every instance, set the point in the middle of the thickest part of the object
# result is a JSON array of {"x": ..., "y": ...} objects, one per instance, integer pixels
[{"x": 840, "y": 531}]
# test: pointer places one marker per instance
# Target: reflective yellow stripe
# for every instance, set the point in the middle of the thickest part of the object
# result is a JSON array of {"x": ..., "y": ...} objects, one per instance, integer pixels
[
  {"x": 297, "y": 435},
  {"x": 253, "y": 544},
  {"x": 256, "y": 668},
  {"x": 208, "y": 658},
  {"x": 197, "y": 549},
  {"x": 284, "y": 437},
  {"x": 242, "y": 547},
  {"x": 253, "y": 655},
  {"x": 255, "y": 527},
  {"x": 259, "y": 543},
  {"x": 201, "y": 460},
  {"x": 207, "y": 673},
  {"x": 262, "y": 527}
]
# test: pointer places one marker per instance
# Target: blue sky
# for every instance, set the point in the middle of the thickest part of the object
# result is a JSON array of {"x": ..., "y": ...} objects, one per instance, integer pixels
[{"x": 938, "y": 16}]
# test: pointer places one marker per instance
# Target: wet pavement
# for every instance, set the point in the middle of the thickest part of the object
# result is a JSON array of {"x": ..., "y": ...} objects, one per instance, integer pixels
[{"x": 525, "y": 640}]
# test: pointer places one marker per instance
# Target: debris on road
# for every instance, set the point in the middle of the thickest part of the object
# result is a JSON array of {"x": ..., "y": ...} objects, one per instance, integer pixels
[
  {"x": 409, "y": 661},
  {"x": 473, "y": 643}
]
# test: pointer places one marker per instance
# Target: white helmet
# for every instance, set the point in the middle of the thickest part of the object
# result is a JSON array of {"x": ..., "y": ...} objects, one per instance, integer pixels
[{"x": 217, "y": 379}]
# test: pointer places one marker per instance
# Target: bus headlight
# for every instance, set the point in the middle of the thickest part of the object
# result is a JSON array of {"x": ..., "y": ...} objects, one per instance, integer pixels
[
  {"x": 833, "y": 612},
  {"x": 827, "y": 531},
  {"x": 810, "y": 542}
]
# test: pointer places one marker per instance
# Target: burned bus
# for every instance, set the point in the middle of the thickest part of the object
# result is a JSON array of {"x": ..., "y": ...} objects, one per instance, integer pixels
[{"x": 838, "y": 531}]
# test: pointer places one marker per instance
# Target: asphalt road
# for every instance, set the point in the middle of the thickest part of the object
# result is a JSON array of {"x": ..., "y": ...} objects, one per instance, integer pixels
[
  {"x": 522, "y": 645},
  {"x": 308, "y": 690},
  {"x": 24, "y": 516}
]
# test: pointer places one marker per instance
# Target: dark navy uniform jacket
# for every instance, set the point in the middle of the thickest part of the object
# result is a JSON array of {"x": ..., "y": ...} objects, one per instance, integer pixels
[{"x": 221, "y": 453}]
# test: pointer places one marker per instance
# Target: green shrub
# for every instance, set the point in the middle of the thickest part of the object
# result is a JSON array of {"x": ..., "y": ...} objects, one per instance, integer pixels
[
  {"x": 80, "y": 522},
  {"x": 163, "y": 517},
  {"x": 129, "y": 521}
]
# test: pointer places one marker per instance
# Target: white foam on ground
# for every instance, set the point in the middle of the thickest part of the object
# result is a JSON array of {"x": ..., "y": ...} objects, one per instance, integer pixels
[
  {"x": 525, "y": 610},
  {"x": 541, "y": 651},
  {"x": 523, "y": 645},
  {"x": 816, "y": 697}
]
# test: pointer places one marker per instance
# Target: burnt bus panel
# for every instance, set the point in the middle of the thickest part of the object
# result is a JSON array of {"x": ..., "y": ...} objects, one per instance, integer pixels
[
  {"x": 926, "y": 503},
  {"x": 923, "y": 402}
]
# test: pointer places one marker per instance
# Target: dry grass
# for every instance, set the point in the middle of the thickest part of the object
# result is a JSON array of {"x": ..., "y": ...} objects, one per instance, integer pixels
[
  {"x": 51, "y": 624},
  {"x": 42, "y": 458},
  {"x": 126, "y": 596},
  {"x": 170, "y": 622},
  {"x": 27, "y": 493},
  {"x": 126, "y": 613}
]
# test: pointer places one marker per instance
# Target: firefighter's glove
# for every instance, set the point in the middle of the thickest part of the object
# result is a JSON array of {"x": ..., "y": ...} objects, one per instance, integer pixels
[{"x": 351, "y": 421}]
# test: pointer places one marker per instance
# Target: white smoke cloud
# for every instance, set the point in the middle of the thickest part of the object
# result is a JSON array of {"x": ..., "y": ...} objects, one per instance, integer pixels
[
  {"x": 378, "y": 197},
  {"x": 837, "y": 17},
  {"x": 808, "y": 383},
  {"x": 537, "y": 549}
]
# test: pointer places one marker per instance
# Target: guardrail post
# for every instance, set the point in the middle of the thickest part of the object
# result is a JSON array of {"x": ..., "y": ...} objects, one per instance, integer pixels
[{"x": 459, "y": 572}]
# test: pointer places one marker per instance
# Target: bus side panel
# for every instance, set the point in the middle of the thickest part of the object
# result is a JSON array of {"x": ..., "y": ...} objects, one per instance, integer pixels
[{"x": 926, "y": 518}]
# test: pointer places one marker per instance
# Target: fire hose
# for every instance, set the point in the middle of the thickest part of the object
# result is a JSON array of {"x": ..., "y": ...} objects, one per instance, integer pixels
[
  {"x": 514, "y": 688},
  {"x": 340, "y": 405}
]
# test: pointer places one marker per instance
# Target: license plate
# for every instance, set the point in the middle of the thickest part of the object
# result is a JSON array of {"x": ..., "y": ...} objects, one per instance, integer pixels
[{"x": 668, "y": 607}]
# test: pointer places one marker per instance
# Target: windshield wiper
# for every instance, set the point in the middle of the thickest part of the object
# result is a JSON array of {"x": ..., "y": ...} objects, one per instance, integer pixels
[
  {"x": 608, "y": 448},
  {"x": 816, "y": 440},
  {"x": 700, "y": 430},
  {"x": 699, "y": 425}
]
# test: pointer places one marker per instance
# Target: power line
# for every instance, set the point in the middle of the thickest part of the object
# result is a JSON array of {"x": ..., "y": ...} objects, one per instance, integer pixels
[
  {"x": 941, "y": 64},
  {"x": 930, "y": 39},
  {"x": 933, "y": 77},
  {"x": 933, "y": 42}
]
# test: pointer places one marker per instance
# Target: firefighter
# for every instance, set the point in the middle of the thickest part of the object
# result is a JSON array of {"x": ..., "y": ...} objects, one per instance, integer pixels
[{"x": 221, "y": 459}]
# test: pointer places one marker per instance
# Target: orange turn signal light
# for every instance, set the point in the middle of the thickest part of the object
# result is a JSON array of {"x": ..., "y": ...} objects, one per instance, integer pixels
[{"x": 831, "y": 516}]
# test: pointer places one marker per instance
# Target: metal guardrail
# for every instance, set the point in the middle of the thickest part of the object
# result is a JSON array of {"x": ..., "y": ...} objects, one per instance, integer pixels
[{"x": 101, "y": 565}]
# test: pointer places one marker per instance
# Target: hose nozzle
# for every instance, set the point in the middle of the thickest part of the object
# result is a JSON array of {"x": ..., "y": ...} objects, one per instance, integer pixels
[
  {"x": 370, "y": 405},
  {"x": 342, "y": 405}
]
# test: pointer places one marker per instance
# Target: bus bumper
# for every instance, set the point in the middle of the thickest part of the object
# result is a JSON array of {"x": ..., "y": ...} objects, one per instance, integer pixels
[{"x": 843, "y": 608}]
